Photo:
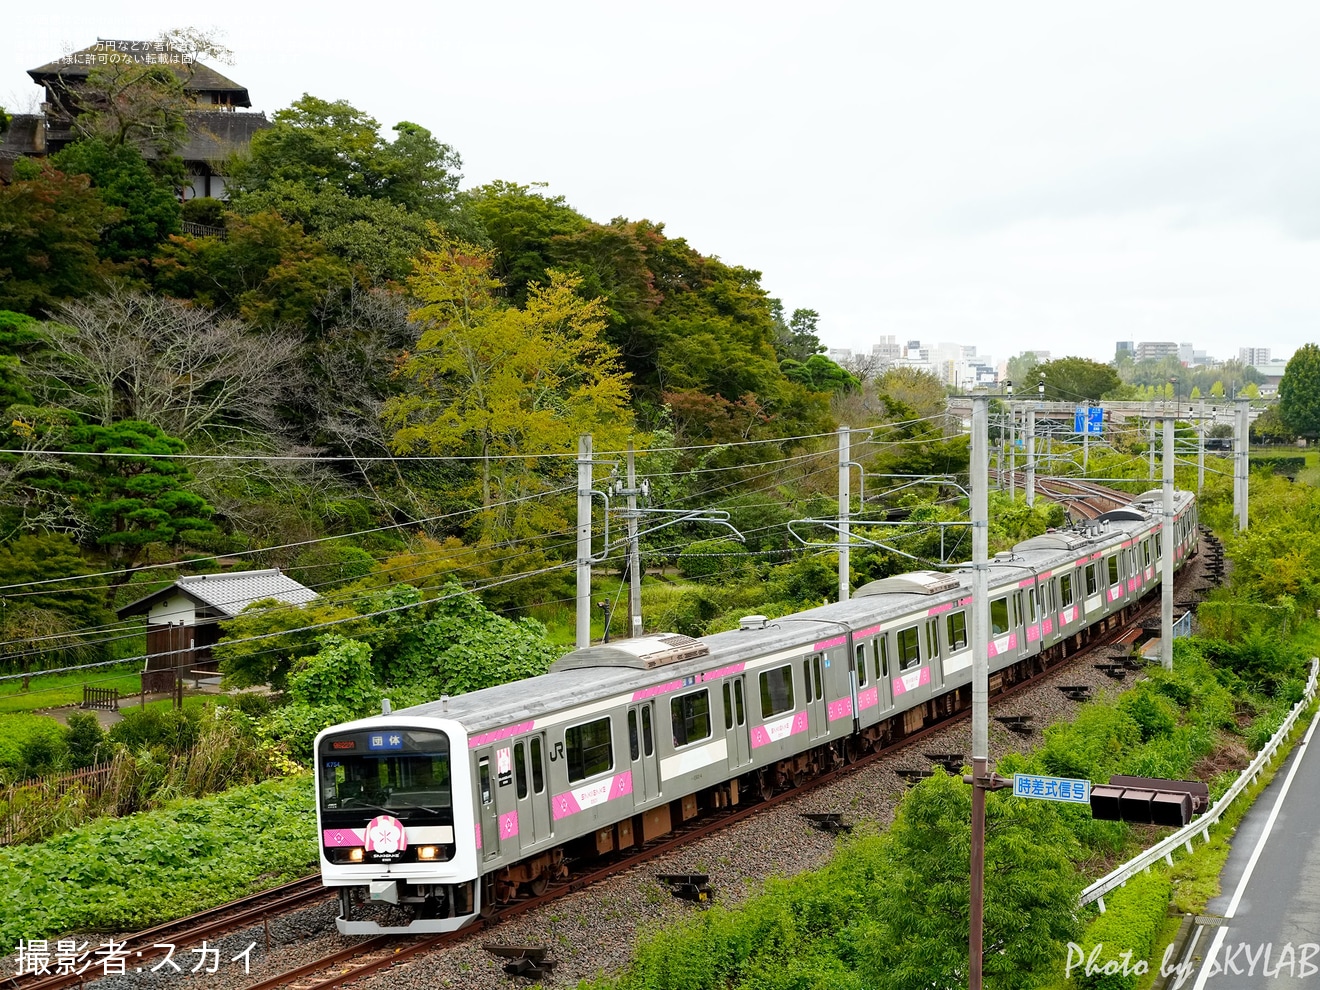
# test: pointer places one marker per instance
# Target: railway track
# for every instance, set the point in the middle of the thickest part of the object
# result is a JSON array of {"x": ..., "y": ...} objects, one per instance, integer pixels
[
  {"x": 193, "y": 930},
  {"x": 353, "y": 963}
]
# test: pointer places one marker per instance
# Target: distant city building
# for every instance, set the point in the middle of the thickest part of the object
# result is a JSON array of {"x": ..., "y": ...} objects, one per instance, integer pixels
[
  {"x": 1185, "y": 352},
  {"x": 1124, "y": 347},
  {"x": 839, "y": 354},
  {"x": 888, "y": 350},
  {"x": 1156, "y": 349},
  {"x": 1254, "y": 357}
]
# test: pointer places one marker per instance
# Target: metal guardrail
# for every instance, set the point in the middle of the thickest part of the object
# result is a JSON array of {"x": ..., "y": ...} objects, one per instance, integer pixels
[{"x": 1183, "y": 837}]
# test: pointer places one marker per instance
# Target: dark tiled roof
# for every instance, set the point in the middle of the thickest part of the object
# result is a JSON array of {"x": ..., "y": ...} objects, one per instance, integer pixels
[
  {"x": 215, "y": 134},
  {"x": 196, "y": 76}
]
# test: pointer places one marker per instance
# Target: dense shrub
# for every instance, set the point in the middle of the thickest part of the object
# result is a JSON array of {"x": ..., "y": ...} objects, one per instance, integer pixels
[
  {"x": 1133, "y": 917},
  {"x": 171, "y": 729}
]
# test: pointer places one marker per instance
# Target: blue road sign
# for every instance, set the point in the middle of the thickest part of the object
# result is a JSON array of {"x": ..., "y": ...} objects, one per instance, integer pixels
[
  {"x": 1089, "y": 419},
  {"x": 1032, "y": 785}
]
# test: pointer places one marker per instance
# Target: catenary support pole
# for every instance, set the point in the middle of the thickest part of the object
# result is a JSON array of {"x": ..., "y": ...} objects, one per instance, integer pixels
[
  {"x": 1031, "y": 455},
  {"x": 634, "y": 552},
  {"x": 1200, "y": 448},
  {"x": 1242, "y": 463},
  {"x": 980, "y": 680},
  {"x": 584, "y": 541},
  {"x": 845, "y": 499},
  {"x": 1166, "y": 559},
  {"x": 1152, "y": 450}
]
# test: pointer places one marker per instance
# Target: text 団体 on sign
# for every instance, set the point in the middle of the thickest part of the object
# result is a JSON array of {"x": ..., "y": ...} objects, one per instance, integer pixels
[{"x": 1030, "y": 785}]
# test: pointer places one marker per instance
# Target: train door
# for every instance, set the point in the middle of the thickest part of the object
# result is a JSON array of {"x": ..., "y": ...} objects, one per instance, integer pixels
[
  {"x": 931, "y": 645},
  {"x": 885, "y": 694},
  {"x": 856, "y": 682},
  {"x": 735, "y": 721},
  {"x": 532, "y": 796},
  {"x": 642, "y": 751},
  {"x": 813, "y": 680},
  {"x": 487, "y": 816}
]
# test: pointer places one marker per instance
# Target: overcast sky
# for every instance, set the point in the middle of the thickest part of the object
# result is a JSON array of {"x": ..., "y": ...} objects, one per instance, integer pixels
[{"x": 1015, "y": 175}]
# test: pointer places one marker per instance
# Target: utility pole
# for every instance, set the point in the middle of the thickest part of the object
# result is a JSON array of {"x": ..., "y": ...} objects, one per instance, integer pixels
[
  {"x": 1012, "y": 443},
  {"x": 584, "y": 541},
  {"x": 1242, "y": 460},
  {"x": 634, "y": 553},
  {"x": 1166, "y": 561},
  {"x": 845, "y": 500},
  {"x": 1200, "y": 448},
  {"x": 1031, "y": 455},
  {"x": 980, "y": 682},
  {"x": 1152, "y": 449}
]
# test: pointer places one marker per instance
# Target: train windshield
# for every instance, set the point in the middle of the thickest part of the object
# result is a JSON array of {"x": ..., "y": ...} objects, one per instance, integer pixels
[{"x": 400, "y": 771}]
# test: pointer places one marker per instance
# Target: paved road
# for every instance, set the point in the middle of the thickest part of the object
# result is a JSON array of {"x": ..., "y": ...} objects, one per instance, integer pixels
[{"x": 1270, "y": 905}]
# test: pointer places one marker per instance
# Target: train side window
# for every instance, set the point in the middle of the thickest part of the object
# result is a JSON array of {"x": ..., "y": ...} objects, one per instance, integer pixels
[
  {"x": 818, "y": 680},
  {"x": 634, "y": 742},
  {"x": 728, "y": 706},
  {"x": 909, "y": 648},
  {"x": 589, "y": 749},
  {"x": 738, "y": 701},
  {"x": 1016, "y": 600},
  {"x": 882, "y": 657},
  {"x": 932, "y": 638},
  {"x": 538, "y": 768},
  {"x": 1091, "y": 586},
  {"x": 860, "y": 654},
  {"x": 776, "y": 691},
  {"x": 520, "y": 769},
  {"x": 998, "y": 616},
  {"x": 483, "y": 766},
  {"x": 1113, "y": 570},
  {"x": 1033, "y": 611},
  {"x": 690, "y": 714},
  {"x": 1145, "y": 551},
  {"x": 648, "y": 739},
  {"x": 956, "y": 627},
  {"x": 1065, "y": 590},
  {"x": 1159, "y": 546}
]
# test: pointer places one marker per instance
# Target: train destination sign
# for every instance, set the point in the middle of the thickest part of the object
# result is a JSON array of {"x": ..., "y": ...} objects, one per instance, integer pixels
[{"x": 1030, "y": 785}]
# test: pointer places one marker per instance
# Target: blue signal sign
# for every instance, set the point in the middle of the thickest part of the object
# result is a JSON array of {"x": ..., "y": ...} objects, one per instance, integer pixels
[
  {"x": 1089, "y": 420},
  {"x": 1032, "y": 785}
]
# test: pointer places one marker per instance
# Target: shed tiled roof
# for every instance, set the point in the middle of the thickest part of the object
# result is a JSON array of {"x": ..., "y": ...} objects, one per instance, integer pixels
[{"x": 226, "y": 595}]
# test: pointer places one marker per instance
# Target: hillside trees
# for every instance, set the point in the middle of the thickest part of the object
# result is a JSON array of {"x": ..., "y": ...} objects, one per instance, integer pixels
[
  {"x": 493, "y": 382},
  {"x": 50, "y": 224},
  {"x": 1070, "y": 379}
]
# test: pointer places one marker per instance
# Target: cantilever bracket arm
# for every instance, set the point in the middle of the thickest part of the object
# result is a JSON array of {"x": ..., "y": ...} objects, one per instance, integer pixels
[{"x": 717, "y": 517}]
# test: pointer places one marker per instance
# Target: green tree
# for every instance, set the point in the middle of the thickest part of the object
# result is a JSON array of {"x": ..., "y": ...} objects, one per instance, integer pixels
[
  {"x": 1217, "y": 389},
  {"x": 261, "y": 645},
  {"x": 1072, "y": 379},
  {"x": 123, "y": 179},
  {"x": 797, "y": 339},
  {"x": 317, "y": 143},
  {"x": 1268, "y": 428},
  {"x": 919, "y": 391},
  {"x": 523, "y": 226},
  {"x": 494, "y": 381},
  {"x": 85, "y": 739},
  {"x": 920, "y": 936},
  {"x": 50, "y": 226},
  {"x": 819, "y": 374},
  {"x": 340, "y": 673},
  {"x": 1299, "y": 392},
  {"x": 128, "y": 499}
]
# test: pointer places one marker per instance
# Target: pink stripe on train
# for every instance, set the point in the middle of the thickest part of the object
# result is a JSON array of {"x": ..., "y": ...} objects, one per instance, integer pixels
[{"x": 764, "y": 735}]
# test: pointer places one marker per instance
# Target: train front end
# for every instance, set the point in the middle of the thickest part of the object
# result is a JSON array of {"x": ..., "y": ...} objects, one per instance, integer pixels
[{"x": 396, "y": 827}]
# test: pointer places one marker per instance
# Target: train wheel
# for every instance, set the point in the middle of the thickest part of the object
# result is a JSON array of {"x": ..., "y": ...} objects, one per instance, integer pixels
[
  {"x": 540, "y": 885},
  {"x": 488, "y": 904},
  {"x": 766, "y": 784},
  {"x": 853, "y": 748}
]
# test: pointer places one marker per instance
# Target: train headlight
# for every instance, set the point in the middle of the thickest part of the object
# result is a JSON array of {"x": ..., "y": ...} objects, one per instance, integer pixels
[
  {"x": 427, "y": 852},
  {"x": 355, "y": 855}
]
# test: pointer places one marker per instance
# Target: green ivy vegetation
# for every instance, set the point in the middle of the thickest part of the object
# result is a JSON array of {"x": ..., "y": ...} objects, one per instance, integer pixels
[{"x": 122, "y": 874}]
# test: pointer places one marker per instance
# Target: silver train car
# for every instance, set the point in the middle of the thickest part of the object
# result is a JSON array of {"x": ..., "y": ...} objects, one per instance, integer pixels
[{"x": 435, "y": 814}]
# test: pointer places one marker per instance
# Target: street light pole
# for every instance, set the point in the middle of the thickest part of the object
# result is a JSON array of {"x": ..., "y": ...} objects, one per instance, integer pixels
[{"x": 1012, "y": 442}]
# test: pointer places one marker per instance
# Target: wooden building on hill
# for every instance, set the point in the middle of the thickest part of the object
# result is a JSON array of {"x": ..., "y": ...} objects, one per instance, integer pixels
[
  {"x": 217, "y": 127},
  {"x": 183, "y": 619}
]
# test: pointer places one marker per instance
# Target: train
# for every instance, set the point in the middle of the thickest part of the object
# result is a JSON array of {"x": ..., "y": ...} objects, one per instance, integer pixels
[{"x": 434, "y": 815}]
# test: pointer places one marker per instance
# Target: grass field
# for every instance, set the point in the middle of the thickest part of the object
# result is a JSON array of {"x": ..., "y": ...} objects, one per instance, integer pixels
[{"x": 56, "y": 690}]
